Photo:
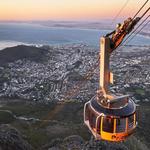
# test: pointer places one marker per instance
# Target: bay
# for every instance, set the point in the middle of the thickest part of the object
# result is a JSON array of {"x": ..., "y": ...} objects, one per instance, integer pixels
[{"x": 12, "y": 34}]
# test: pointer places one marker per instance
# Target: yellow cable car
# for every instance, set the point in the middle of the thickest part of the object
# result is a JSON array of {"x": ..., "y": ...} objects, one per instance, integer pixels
[
  {"x": 108, "y": 116},
  {"x": 113, "y": 123}
]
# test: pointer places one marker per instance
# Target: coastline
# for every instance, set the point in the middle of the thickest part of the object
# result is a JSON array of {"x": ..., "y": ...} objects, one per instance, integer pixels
[
  {"x": 58, "y": 33},
  {"x": 8, "y": 43}
]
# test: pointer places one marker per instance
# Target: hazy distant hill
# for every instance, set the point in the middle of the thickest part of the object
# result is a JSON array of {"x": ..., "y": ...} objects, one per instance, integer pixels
[{"x": 21, "y": 52}]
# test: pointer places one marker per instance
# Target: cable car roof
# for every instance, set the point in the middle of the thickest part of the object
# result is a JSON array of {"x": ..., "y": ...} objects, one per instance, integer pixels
[{"x": 122, "y": 112}]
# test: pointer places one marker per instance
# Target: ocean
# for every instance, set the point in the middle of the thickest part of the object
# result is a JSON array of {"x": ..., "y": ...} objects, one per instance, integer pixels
[{"x": 12, "y": 34}]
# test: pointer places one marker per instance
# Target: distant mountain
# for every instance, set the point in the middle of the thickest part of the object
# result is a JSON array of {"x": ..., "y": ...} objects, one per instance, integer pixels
[
  {"x": 21, "y": 52},
  {"x": 90, "y": 24}
]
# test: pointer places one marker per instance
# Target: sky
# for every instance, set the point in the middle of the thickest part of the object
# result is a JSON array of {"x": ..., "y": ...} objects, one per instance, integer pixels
[{"x": 66, "y": 9}]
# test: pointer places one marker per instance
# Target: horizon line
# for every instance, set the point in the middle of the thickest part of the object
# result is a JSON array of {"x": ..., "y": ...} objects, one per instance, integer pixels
[{"x": 59, "y": 20}]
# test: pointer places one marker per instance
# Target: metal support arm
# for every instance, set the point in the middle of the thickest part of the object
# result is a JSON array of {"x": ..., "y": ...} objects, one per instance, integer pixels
[{"x": 105, "y": 76}]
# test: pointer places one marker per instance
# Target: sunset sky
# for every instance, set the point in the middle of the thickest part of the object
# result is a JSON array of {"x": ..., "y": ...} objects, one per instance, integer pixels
[{"x": 65, "y": 9}]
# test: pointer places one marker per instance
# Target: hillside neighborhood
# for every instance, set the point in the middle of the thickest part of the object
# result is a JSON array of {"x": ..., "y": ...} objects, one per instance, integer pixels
[{"x": 66, "y": 67}]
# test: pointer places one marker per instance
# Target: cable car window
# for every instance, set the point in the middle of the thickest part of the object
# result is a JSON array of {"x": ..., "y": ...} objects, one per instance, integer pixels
[
  {"x": 131, "y": 122},
  {"x": 87, "y": 112},
  {"x": 120, "y": 125},
  {"x": 108, "y": 124},
  {"x": 98, "y": 125},
  {"x": 92, "y": 120}
]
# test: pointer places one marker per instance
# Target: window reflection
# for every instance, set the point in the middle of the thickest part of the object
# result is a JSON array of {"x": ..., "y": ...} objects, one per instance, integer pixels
[
  {"x": 131, "y": 122},
  {"x": 120, "y": 125},
  {"x": 108, "y": 124}
]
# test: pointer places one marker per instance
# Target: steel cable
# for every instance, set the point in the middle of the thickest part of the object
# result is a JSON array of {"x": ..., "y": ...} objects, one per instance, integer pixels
[
  {"x": 140, "y": 9},
  {"x": 137, "y": 32},
  {"x": 125, "y": 4},
  {"x": 135, "y": 29}
]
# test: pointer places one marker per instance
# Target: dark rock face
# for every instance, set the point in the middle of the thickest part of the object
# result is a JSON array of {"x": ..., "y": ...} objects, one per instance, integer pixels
[
  {"x": 53, "y": 145},
  {"x": 75, "y": 142},
  {"x": 103, "y": 145},
  {"x": 11, "y": 139}
]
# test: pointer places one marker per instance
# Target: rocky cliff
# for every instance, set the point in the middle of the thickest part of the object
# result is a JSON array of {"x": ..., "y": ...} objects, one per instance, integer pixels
[{"x": 12, "y": 139}]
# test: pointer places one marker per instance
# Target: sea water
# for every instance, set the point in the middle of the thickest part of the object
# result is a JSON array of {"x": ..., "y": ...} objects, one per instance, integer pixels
[{"x": 12, "y": 34}]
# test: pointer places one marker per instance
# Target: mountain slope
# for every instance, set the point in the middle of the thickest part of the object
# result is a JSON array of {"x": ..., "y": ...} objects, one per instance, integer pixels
[{"x": 21, "y": 52}]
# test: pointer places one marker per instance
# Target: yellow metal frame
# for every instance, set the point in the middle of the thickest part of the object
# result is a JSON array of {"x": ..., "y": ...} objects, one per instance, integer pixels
[{"x": 116, "y": 137}]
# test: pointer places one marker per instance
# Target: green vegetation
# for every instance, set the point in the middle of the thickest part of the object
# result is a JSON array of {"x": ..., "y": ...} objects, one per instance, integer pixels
[
  {"x": 65, "y": 119},
  {"x": 28, "y": 109},
  {"x": 140, "y": 91},
  {"x": 36, "y": 137},
  {"x": 6, "y": 117}
]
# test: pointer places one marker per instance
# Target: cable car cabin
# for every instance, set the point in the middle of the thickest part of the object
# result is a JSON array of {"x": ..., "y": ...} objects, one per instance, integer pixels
[{"x": 113, "y": 123}]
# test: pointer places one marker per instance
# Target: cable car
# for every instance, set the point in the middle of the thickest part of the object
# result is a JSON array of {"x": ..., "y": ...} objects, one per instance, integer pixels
[
  {"x": 114, "y": 121},
  {"x": 109, "y": 116}
]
